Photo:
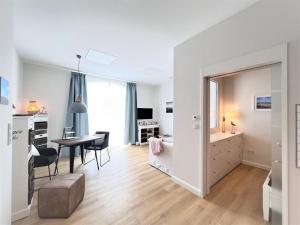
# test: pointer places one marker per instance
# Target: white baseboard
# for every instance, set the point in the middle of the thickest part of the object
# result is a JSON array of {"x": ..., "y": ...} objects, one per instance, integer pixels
[
  {"x": 187, "y": 186},
  {"x": 21, "y": 214},
  {"x": 258, "y": 165}
]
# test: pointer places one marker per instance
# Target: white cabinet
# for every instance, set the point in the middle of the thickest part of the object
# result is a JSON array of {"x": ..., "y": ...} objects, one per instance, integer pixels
[
  {"x": 147, "y": 131},
  {"x": 22, "y": 166},
  {"x": 40, "y": 126},
  {"x": 224, "y": 154}
]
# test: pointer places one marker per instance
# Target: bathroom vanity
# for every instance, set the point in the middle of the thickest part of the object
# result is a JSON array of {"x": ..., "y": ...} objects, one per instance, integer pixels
[{"x": 224, "y": 154}]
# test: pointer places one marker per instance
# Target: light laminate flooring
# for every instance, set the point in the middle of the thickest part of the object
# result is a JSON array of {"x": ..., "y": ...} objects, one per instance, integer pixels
[{"x": 127, "y": 191}]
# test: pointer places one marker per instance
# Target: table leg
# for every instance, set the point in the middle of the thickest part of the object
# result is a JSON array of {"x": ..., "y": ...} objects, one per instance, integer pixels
[
  {"x": 72, "y": 156},
  {"x": 82, "y": 153}
]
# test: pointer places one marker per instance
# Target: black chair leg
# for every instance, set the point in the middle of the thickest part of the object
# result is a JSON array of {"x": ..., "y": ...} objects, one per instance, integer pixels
[
  {"x": 56, "y": 168},
  {"x": 57, "y": 172},
  {"x": 97, "y": 159},
  {"x": 107, "y": 160},
  {"x": 56, "y": 163},
  {"x": 85, "y": 156},
  {"x": 49, "y": 172}
]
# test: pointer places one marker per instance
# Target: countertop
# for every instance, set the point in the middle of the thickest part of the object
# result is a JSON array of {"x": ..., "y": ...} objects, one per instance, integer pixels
[{"x": 222, "y": 136}]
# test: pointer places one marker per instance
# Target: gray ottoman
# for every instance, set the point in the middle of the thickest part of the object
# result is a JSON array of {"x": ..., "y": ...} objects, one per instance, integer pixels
[{"x": 60, "y": 197}]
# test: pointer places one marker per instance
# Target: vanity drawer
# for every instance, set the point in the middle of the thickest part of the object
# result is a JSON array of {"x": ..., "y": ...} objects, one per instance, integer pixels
[
  {"x": 236, "y": 143},
  {"x": 214, "y": 177},
  {"x": 218, "y": 163},
  {"x": 215, "y": 149}
]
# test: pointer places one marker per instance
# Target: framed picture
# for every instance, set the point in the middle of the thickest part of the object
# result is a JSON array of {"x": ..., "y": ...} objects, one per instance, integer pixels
[
  {"x": 262, "y": 103},
  {"x": 4, "y": 91},
  {"x": 169, "y": 107}
]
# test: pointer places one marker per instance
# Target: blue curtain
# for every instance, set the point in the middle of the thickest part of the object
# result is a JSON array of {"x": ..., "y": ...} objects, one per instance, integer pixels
[
  {"x": 131, "y": 130},
  {"x": 78, "y": 121}
]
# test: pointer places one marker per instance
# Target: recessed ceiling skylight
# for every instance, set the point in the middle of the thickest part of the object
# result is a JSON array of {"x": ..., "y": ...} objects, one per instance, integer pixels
[{"x": 100, "y": 57}]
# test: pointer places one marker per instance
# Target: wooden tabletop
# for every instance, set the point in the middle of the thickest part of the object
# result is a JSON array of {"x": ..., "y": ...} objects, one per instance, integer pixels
[{"x": 76, "y": 140}]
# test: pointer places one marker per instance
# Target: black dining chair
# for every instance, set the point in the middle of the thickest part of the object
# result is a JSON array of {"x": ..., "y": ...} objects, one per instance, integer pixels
[
  {"x": 46, "y": 158},
  {"x": 99, "y": 145}
]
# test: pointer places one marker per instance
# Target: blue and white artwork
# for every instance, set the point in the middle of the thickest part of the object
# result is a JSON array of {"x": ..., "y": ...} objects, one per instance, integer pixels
[
  {"x": 4, "y": 91},
  {"x": 263, "y": 103}
]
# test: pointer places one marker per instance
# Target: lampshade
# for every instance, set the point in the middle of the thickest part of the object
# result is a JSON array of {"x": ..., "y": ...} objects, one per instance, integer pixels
[
  {"x": 78, "y": 106},
  {"x": 228, "y": 115},
  {"x": 32, "y": 107}
]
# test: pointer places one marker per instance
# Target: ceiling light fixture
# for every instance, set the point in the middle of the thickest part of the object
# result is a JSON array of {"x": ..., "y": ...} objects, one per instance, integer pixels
[
  {"x": 100, "y": 57},
  {"x": 78, "y": 106}
]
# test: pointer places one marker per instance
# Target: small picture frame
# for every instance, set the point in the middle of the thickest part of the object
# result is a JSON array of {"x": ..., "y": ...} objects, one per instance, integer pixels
[
  {"x": 169, "y": 107},
  {"x": 4, "y": 91},
  {"x": 262, "y": 103}
]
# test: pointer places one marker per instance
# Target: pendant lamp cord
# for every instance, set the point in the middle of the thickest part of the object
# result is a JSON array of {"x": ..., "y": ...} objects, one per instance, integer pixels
[{"x": 79, "y": 58}]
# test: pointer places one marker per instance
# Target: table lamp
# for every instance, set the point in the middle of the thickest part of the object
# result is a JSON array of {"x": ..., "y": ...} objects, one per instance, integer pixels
[{"x": 32, "y": 107}]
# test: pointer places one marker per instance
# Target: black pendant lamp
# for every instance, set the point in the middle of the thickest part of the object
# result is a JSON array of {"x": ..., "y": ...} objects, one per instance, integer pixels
[{"x": 78, "y": 106}]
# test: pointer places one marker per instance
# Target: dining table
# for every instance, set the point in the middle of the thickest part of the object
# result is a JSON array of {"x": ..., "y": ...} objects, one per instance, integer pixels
[{"x": 72, "y": 143}]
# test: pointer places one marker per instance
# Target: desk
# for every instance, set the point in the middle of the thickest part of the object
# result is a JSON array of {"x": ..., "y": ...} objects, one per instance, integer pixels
[{"x": 72, "y": 144}]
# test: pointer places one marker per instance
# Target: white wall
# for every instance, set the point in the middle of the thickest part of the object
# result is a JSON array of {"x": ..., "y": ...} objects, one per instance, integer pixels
[
  {"x": 263, "y": 25},
  {"x": 238, "y": 97},
  {"x": 17, "y": 85},
  {"x": 164, "y": 93},
  {"x": 6, "y": 71},
  {"x": 146, "y": 97},
  {"x": 50, "y": 88},
  {"x": 150, "y": 96}
]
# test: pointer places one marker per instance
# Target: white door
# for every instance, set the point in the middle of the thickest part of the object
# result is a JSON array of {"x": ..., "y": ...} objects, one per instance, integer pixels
[{"x": 276, "y": 176}]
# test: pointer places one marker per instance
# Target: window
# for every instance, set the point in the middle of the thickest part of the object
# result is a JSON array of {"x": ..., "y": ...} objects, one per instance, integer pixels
[
  {"x": 213, "y": 104},
  {"x": 106, "y": 108}
]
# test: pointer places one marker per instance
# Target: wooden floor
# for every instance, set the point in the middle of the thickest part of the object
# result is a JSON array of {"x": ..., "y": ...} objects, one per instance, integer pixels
[{"x": 127, "y": 191}]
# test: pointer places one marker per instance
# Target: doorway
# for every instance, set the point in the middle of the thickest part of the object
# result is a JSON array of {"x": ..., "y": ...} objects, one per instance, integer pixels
[{"x": 276, "y": 55}]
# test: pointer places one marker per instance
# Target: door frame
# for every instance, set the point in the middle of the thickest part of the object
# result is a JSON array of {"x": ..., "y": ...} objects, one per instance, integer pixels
[{"x": 276, "y": 54}]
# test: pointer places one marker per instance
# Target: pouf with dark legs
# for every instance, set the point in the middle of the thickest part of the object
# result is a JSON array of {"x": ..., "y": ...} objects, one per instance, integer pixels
[{"x": 60, "y": 197}]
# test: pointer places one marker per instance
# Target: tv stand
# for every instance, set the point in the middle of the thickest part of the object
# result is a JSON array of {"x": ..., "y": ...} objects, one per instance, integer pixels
[{"x": 147, "y": 131}]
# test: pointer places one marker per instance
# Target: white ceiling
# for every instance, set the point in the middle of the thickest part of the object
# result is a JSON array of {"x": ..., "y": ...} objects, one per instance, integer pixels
[{"x": 141, "y": 33}]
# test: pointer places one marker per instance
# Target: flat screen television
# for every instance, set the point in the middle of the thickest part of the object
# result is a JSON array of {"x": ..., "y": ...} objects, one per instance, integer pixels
[{"x": 145, "y": 113}]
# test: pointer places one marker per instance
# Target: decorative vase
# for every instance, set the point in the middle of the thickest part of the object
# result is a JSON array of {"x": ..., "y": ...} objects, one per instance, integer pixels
[
  {"x": 223, "y": 125},
  {"x": 232, "y": 128}
]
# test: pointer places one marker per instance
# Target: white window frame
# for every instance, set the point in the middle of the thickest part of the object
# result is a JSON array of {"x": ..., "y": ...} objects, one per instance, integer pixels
[{"x": 215, "y": 129}]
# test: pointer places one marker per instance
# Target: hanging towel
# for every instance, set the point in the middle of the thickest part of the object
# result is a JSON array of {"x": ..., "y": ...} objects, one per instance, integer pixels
[{"x": 156, "y": 145}]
